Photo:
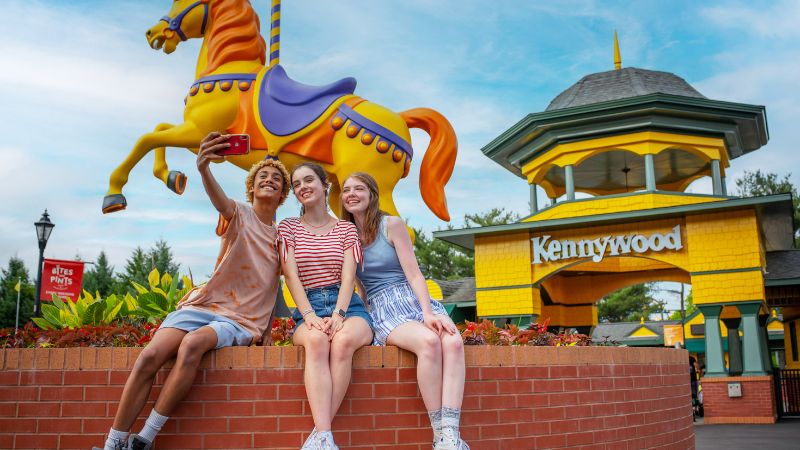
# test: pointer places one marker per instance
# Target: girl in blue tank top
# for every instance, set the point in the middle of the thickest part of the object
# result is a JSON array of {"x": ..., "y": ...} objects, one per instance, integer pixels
[{"x": 402, "y": 310}]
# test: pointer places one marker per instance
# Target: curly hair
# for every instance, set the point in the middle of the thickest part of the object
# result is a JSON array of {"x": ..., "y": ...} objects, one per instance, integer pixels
[{"x": 251, "y": 177}]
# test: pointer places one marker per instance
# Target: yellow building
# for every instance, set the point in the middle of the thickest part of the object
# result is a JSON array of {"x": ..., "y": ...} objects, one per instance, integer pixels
[{"x": 615, "y": 154}]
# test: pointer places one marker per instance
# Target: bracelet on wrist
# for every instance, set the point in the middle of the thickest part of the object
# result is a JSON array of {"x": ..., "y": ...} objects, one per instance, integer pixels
[{"x": 307, "y": 312}]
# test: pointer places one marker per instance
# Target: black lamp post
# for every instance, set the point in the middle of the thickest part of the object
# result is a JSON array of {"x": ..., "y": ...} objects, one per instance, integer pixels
[{"x": 43, "y": 229}]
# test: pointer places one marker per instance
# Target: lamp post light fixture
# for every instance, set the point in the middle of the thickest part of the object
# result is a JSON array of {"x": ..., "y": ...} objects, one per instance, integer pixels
[{"x": 43, "y": 229}]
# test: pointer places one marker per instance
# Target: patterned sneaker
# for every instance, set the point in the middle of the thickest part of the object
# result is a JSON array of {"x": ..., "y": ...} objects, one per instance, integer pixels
[
  {"x": 311, "y": 441},
  {"x": 325, "y": 441},
  {"x": 136, "y": 442},
  {"x": 118, "y": 445},
  {"x": 447, "y": 441}
]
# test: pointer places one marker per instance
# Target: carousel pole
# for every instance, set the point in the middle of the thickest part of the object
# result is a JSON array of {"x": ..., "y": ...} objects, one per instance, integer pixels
[{"x": 275, "y": 33}]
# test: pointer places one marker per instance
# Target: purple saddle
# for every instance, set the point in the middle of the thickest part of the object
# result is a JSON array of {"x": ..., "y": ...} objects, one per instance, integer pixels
[{"x": 286, "y": 106}]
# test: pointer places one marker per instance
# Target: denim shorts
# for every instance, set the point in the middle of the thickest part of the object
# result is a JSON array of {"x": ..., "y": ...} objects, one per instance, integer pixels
[
  {"x": 229, "y": 333},
  {"x": 323, "y": 300}
]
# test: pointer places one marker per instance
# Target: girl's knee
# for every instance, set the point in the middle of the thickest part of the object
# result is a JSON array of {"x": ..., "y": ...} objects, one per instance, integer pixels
[
  {"x": 429, "y": 346},
  {"x": 452, "y": 343},
  {"x": 316, "y": 345}
]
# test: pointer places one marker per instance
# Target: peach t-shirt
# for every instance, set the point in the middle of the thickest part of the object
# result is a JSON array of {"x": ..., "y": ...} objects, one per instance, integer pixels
[{"x": 244, "y": 285}]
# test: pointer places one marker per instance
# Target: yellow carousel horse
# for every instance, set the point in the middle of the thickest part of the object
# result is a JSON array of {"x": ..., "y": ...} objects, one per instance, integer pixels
[{"x": 235, "y": 92}]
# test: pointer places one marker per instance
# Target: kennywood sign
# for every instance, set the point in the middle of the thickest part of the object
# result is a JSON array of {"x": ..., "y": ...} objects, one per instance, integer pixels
[{"x": 547, "y": 250}]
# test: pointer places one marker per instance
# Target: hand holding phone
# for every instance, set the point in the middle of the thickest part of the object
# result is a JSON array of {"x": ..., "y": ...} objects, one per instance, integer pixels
[{"x": 239, "y": 145}]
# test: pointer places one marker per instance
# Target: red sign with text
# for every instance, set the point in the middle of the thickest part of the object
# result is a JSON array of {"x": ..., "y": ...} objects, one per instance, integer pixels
[{"x": 62, "y": 278}]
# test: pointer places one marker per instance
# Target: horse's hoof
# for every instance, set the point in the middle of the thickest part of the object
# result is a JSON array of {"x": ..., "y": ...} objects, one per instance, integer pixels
[
  {"x": 176, "y": 182},
  {"x": 114, "y": 203}
]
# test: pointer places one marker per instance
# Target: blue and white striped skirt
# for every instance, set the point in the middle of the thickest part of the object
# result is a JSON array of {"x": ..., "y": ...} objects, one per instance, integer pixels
[{"x": 394, "y": 306}]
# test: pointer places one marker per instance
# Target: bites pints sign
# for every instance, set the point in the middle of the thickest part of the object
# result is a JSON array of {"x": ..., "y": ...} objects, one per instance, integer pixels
[
  {"x": 62, "y": 278},
  {"x": 546, "y": 249}
]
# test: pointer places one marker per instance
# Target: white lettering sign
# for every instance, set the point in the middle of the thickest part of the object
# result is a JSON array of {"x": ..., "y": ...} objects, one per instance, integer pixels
[{"x": 547, "y": 250}]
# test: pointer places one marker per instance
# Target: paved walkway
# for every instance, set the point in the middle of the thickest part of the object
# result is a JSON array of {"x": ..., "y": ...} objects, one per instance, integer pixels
[{"x": 784, "y": 435}]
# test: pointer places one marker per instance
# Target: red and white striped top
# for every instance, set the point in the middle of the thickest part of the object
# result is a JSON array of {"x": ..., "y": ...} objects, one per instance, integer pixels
[{"x": 319, "y": 257}]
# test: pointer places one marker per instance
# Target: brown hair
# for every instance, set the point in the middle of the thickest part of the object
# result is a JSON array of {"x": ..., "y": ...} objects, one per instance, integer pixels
[
  {"x": 234, "y": 34},
  {"x": 251, "y": 178},
  {"x": 373, "y": 215},
  {"x": 319, "y": 172}
]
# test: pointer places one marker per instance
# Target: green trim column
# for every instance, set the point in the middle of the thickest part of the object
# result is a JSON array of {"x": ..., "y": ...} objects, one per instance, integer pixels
[
  {"x": 715, "y": 361},
  {"x": 724, "y": 187},
  {"x": 650, "y": 172},
  {"x": 734, "y": 346},
  {"x": 534, "y": 200},
  {"x": 762, "y": 321},
  {"x": 569, "y": 177},
  {"x": 753, "y": 348},
  {"x": 716, "y": 177}
]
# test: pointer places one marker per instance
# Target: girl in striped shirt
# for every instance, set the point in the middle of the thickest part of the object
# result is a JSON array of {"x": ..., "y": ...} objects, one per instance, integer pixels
[
  {"x": 320, "y": 254},
  {"x": 403, "y": 312}
]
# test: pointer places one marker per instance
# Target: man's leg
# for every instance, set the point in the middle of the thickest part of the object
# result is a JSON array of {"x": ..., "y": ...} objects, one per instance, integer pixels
[
  {"x": 178, "y": 383},
  {"x": 163, "y": 347}
]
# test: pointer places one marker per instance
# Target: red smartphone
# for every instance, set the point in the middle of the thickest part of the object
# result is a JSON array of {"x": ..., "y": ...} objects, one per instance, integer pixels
[{"x": 240, "y": 145}]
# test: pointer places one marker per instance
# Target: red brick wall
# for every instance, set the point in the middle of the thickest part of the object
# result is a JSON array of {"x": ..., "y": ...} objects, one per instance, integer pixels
[
  {"x": 516, "y": 398},
  {"x": 756, "y": 405}
]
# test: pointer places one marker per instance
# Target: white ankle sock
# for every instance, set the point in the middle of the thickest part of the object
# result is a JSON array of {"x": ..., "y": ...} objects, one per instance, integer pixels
[
  {"x": 451, "y": 418},
  {"x": 436, "y": 423},
  {"x": 153, "y": 425},
  {"x": 115, "y": 436}
]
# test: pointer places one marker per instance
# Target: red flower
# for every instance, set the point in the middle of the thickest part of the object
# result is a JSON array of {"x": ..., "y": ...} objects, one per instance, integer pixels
[
  {"x": 471, "y": 326},
  {"x": 290, "y": 323},
  {"x": 276, "y": 323}
]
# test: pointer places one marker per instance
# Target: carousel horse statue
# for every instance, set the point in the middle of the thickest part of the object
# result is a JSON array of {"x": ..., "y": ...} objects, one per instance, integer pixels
[{"x": 235, "y": 92}]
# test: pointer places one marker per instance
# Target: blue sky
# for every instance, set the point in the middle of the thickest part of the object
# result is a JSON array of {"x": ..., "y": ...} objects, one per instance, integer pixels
[{"x": 79, "y": 84}]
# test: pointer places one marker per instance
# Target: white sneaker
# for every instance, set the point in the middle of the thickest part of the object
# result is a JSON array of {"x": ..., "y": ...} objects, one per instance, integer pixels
[
  {"x": 311, "y": 441},
  {"x": 450, "y": 442},
  {"x": 325, "y": 441}
]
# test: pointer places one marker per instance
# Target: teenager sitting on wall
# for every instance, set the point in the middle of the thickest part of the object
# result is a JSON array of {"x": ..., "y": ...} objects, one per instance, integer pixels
[
  {"x": 233, "y": 308},
  {"x": 403, "y": 312},
  {"x": 320, "y": 254}
]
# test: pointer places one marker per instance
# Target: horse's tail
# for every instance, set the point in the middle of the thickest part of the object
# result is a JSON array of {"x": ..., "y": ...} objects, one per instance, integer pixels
[{"x": 439, "y": 159}]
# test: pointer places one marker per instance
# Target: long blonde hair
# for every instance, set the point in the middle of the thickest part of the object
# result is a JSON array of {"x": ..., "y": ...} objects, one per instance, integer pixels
[{"x": 373, "y": 215}]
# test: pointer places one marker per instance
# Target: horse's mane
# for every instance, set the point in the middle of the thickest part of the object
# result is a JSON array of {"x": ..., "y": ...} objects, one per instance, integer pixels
[{"x": 234, "y": 34}]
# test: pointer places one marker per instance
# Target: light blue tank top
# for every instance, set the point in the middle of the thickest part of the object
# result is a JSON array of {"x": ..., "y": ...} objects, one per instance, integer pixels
[{"x": 381, "y": 266}]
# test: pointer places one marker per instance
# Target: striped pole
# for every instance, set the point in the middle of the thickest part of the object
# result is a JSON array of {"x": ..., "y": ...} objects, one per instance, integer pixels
[{"x": 275, "y": 33}]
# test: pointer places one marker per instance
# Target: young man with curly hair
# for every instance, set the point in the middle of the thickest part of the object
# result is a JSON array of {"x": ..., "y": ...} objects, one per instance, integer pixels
[{"x": 232, "y": 308}]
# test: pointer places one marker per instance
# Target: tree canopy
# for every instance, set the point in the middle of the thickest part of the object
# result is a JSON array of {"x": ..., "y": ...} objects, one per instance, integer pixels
[
  {"x": 629, "y": 304},
  {"x": 752, "y": 184},
  {"x": 16, "y": 272}
]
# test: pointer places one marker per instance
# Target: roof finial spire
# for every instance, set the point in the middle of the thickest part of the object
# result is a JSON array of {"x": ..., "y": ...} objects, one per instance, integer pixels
[{"x": 617, "y": 57}]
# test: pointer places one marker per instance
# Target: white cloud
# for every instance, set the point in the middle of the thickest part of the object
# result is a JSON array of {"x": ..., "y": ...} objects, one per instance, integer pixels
[{"x": 778, "y": 20}]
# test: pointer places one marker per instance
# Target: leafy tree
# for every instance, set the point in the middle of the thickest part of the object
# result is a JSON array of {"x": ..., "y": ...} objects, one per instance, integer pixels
[
  {"x": 141, "y": 262},
  {"x": 629, "y": 304},
  {"x": 758, "y": 183},
  {"x": 100, "y": 278},
  {"x": 137, "y": 267},
  {"x": 160, "y": 256},
  {"x": 15, "y": 272},
  {"x": 688, "y": 304},
  {"x": 495, "y": 216},
  {"x": 441, "y": 260}
]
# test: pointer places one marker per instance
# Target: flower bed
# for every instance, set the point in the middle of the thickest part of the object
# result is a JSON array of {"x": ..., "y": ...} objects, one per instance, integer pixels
[{"x": 138, "y": 333}]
